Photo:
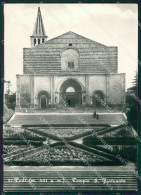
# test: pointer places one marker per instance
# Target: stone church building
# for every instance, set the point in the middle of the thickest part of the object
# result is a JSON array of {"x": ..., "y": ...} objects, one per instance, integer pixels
[{"x": 69, "y": 69}]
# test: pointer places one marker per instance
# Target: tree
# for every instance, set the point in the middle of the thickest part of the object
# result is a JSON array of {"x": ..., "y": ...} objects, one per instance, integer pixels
[
  {"x": 11, "y": 101},
  {"x": 132, "y": 102},
  {"x": 8, "y": 85}
]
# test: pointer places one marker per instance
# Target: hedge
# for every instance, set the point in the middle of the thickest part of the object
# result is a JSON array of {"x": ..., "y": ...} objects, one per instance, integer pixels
[
  {"x": 127, "y": 152},
  {"x": 45, "y": 134},
  {"x": 83, "y": 134},
  {"x": 26, "y": 137},
  {"x": 110, "y": 141},
  {"x": 66, "y": 125},
  {"x": 64, "y": 163},
  {"x": 81, "y": 146},
  {"x": 66, "y": 138},
  {"x": 34, "y": 143}
]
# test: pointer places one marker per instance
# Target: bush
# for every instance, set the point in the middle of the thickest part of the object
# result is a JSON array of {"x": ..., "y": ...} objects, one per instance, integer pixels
[
  {"x": 34, "y": 143},
  {"x": 123, "y": 133},
  {"x": 7, "y": 114},
  {"x": 55, "y": 137},
  {"x": 111, "y": 141},
  {"x": 59, "y": 163},
  {"x": 27, "y": 138},
  {"x": 65, "y": 125},
  {"x": 128, "y": 152}
]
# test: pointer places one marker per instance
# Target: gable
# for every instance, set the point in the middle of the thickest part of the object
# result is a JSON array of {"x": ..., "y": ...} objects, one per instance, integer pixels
[
  {"x": 73, "y": 37},
  {"x": 93, "y": 57}
]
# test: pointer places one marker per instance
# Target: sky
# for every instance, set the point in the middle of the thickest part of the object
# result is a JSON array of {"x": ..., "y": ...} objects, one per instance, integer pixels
[{"x": 109, "y": 24}]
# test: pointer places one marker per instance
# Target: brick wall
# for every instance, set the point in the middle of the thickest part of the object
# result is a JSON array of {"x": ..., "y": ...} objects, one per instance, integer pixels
[{"x": 93, "y": 57}]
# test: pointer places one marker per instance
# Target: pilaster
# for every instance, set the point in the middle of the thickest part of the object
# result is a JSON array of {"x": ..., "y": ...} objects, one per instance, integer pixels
[
  {"x": 52, "y": 89},
  {"x": 87, "y": 89},
  {"x": 107, "y": 89},
  {"x": 32, "y": 90},
  {"x": 18, "y": 92}
]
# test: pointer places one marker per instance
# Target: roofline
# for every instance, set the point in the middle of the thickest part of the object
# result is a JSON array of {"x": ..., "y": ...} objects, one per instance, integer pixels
[{"x": 80, "y": 36}]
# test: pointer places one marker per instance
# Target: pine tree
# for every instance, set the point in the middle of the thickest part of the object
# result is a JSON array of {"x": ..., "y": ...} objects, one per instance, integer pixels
[{"x": 132, "y": 102}]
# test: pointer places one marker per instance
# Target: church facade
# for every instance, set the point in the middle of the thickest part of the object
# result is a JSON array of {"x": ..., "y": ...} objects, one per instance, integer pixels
[{"x": 68, "y": 69}]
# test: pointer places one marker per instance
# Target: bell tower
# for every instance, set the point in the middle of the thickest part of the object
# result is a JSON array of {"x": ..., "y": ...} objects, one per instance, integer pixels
[{"x": 39, "y": 35}]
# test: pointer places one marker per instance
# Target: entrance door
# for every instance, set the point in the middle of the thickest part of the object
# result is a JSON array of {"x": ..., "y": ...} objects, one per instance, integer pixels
[
  {"x": 43, "y": 102},
  {"x": 70, "y": 100},
  {"x": 95, "y": 100}
]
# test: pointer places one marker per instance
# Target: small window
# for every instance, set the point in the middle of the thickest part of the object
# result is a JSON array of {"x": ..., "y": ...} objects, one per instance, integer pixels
[
  {"x": 70, "y": 44},
  {"x": 38, "y": 41},
  {"x": 71, "y": 64},
  {"x": 34, "y": 42},
  {"x": 42, "y": 40}
]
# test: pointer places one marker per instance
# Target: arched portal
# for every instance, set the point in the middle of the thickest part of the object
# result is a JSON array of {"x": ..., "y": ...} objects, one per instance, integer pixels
[
  {"x": 43, "y": 97},
  {"x": 43, "y": 101},
  {"x": 98, "y": 98},
  {"x": 71, "y": 93}
]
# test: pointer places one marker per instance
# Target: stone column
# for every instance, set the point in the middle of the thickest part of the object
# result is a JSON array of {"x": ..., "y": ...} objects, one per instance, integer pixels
[
  {"x": 36, "y": 41},
  {"x": 18, "y": 92},
  {"x": 32, "y": 41},
  {"x": 53, "y": 95},
  {"x": 36, "y": 100},
  {"x": 52, "y": 89},
  {"x": 87, "y": 89},
  {"x": 83, "y": 97},
  {"x": 56, "y": 98},
  {"x": 91, "y": 100},
  {"x": 107, "y": 89}
]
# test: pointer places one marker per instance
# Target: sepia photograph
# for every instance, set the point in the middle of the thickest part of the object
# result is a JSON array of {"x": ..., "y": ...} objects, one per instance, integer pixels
[{"x": 70, "y": 99}]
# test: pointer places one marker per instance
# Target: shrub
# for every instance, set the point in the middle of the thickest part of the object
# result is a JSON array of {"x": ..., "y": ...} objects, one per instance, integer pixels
[
  {"x": 64, "y": 163},
  {"x": 126, "y": 152},
  {"x": 26, "y": 137},
  {"x": 110, "y": 140},
  {"x": 13, "y": 142}
]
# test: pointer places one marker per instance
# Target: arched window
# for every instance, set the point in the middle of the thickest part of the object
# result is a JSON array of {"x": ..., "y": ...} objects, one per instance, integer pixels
[
  {"x": 69, "y": 59},
  {"x": 70, "y": 89},
  {"x": 42, "y": 40},
  {"x": 71, "y": 64},
  {"x": 38, "y": 41},
  {"x": 34, "y": 42}
]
